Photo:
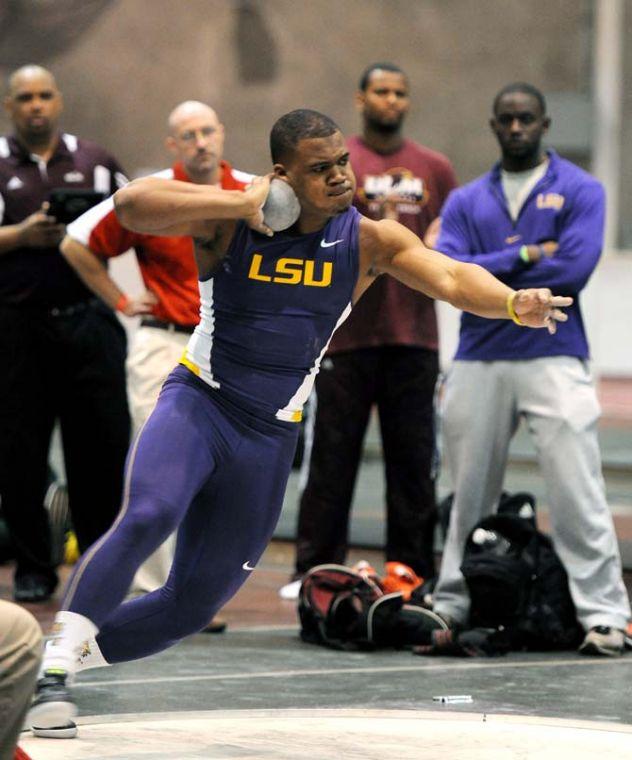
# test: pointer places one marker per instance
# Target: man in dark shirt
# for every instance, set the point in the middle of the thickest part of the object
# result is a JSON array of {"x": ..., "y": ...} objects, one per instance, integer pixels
[
  {"x": 63, "y": 351},
  {"x": 386, "y": 353}
]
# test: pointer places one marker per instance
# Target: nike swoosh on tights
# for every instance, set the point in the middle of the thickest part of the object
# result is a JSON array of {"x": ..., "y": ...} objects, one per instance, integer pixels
[{"x": 246, "y": 566}]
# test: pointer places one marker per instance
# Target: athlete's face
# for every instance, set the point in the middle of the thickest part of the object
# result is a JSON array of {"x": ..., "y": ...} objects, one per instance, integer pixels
[
  {"x": 321, "y": 175},
  {"x": 385, "y": 102},
  {"x": 197, "y": 140},
  {"x": 34, "y": 105},
  {"x": 519, "y": 125}
]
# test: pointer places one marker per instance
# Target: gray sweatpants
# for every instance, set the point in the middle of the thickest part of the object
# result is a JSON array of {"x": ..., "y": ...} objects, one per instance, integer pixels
[
  {"x": 482, "y": 407},
  {"x": 20, "y": 654}
]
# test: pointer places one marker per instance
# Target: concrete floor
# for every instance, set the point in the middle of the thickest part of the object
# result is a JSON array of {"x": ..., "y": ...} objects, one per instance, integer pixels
[
  {"x": 358, "y": 734},
  {"x": 258, "y": 692}
]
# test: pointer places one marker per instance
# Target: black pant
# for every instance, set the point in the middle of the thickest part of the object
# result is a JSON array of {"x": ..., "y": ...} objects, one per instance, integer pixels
[
  {"x": 70, "y": 368},
  {"x": 401, "y": 381}
]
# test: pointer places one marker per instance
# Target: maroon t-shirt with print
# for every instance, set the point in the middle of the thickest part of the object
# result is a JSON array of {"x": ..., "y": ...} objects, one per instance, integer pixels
[{"x": 416, "y": 181}]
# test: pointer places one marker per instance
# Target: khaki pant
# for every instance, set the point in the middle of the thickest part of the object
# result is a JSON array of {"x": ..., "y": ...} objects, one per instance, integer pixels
[
  {"x": 20, "y": 655},
  {"x": 483, "y": 405},
  {"x": 153, "y": 354}
]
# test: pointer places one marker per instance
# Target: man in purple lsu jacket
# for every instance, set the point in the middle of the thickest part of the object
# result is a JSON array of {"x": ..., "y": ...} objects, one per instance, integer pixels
[
  {"x": 214, "y": 457},
  {"x": 534, "y": 219}
]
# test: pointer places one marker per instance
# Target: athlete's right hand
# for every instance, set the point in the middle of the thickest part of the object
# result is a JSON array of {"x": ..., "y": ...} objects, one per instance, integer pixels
[
  {"x": 40, "y": 230},
  {"x": 258, "y": 191}
]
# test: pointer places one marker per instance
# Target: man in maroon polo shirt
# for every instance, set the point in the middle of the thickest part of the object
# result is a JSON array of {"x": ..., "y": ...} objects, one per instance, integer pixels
[
  {"x": 63, "y": 351},
  {"x": 386, "y": 353}
]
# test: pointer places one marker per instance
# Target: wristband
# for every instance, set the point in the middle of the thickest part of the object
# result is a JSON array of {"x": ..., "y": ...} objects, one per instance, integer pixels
[
  {"x": 524, "y": 254},
  {"x": 122, "y": 303},
  {"x": 510, "y": 308}
]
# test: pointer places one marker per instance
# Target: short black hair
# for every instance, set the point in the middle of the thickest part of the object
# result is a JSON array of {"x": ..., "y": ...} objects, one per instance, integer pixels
[
  {"x": 524, "y": 87},
  {"x": 384, "y": 66},
  {"x": 294, "y": 126}
]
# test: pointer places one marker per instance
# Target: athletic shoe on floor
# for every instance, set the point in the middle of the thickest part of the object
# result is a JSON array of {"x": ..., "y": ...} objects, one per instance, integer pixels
[
  {"x": 290, "y": 590},
  {"x": 33, "y": 587},
  {"x": 52, "y": 708},
  {"x": 603, "y": 640},
  {"x": 69, "y": 731}
]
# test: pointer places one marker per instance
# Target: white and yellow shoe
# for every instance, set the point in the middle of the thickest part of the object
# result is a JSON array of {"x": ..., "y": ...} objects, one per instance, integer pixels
[{"x": 603, "y": 640}]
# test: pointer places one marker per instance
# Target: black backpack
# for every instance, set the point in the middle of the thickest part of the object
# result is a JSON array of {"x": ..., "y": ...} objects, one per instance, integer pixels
[
  {"x": 517, "y": 582},
  {"x": 344, "y": 609}
]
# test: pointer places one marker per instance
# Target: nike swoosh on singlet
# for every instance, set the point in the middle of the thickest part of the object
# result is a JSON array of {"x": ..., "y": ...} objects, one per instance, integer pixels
[{"x": 325, "y": 244}]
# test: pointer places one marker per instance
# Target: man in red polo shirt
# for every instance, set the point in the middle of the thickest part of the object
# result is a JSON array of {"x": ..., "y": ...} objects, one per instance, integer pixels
[{"x": 169, "y": 307}]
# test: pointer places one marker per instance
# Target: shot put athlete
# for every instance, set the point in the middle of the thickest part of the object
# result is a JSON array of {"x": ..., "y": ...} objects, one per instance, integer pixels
[{"x": 214, "y": 457}]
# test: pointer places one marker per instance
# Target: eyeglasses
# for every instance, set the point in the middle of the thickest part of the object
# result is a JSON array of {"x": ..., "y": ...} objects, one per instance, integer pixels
[{"x": 192, "y": 134}]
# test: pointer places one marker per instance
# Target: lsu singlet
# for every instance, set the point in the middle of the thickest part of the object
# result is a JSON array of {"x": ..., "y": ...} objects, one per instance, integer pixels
[{"x": 269, "y": 311}]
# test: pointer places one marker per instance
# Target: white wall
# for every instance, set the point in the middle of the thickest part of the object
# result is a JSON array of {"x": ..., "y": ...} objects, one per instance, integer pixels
[{"x": 608, "y": 314}]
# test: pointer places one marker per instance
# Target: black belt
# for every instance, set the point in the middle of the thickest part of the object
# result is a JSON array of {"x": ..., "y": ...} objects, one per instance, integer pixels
[{"x": 169, "y": 326}]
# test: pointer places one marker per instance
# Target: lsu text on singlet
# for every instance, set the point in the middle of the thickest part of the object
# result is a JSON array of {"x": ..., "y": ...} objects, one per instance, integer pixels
[{"x": 268, "y": 313}]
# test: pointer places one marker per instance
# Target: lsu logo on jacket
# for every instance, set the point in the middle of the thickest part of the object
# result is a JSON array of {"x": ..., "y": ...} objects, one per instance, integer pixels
[{"x": 550, "y": 200}]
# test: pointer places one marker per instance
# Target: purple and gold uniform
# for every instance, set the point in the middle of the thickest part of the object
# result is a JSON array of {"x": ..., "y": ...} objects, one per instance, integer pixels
[
  {"x": 269, "y": 313},
  {"x": 215, "y": 455}
]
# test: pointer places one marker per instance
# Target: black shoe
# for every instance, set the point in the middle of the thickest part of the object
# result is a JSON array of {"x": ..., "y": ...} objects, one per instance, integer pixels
[
  {"x": 52, "y": 708},
  {"x": 33, "y": 587}
]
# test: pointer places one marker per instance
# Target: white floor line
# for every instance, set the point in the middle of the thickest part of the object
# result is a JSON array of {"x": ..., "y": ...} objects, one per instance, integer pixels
[
  {"x": 594, "y": 662},
  {"x": 262, "y": 628}
]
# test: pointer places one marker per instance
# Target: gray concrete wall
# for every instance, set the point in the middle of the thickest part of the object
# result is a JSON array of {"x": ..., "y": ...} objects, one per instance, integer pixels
[{"x": 138, "y": 58}]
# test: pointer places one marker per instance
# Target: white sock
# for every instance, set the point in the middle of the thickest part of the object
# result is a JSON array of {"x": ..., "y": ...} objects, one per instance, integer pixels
[
  {"x": 69, "y": 633},
  {"x": 91, "y": 656}
]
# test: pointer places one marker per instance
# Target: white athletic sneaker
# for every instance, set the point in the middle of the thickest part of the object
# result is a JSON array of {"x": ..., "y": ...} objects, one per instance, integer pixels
[
  {"x": 69, "y": 731},
  {"x": 290, "y": 590},
  {"x": 53, "y": 708},
  {"x": 603, "y": 640}
]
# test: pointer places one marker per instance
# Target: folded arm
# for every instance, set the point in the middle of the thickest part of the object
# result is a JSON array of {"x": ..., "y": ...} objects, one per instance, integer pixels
[
  {"x": 579, "y": 244},
  {"x": 455, "y": 240}
]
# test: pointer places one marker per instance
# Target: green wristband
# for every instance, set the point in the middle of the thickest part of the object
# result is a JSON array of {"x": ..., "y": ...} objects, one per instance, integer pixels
[{"x": 524, "y": 254}]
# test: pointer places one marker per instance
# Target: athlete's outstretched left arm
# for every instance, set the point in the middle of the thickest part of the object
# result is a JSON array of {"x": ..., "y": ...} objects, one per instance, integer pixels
[
  {"x": 389, "y": 247},
  {"x": 168, "y": 207}
]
